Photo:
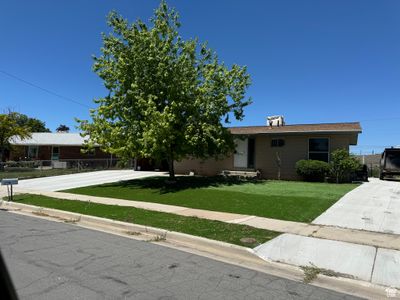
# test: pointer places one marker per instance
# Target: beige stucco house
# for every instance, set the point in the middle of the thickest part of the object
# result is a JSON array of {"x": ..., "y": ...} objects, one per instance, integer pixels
[{"x": 264, "y": 148}]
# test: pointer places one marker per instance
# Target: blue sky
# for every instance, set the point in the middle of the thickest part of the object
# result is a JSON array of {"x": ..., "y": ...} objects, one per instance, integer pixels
[{"x": 311, "y": 61}]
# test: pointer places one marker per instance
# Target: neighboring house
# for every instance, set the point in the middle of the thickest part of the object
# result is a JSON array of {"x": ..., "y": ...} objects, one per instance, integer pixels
[
  {"x": 63, "y": 146},
  {"x": 264, "y": 148},
  {"x": 53, "y": 146}
]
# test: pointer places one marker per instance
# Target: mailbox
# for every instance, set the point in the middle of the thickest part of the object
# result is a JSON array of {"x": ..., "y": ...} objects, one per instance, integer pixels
[{"x": 9, "y": 182}]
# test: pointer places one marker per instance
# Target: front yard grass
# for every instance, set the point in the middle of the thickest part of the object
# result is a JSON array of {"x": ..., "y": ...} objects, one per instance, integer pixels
[
  {"x": 230, "y": 233},
  {"x": 284, "y": 200}
]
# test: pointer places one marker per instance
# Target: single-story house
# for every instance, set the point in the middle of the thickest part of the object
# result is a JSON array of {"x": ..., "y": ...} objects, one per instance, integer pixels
[
  {"x": 53, "y": 146},
  {"x": 63, "y": 146},
  {"x": 276, "y": 147}
]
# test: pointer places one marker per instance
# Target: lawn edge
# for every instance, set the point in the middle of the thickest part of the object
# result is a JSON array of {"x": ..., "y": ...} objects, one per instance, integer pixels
[
  {"x": 200, "y": 243},
  {"x": 78, "y": 191},
  {"x": 217, "y": 250}
]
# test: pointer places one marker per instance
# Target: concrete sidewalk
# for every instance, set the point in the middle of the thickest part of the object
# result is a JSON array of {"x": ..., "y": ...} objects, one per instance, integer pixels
[
  {"x": 372, "y": 264},
  {"x": 389, "y": 241}
]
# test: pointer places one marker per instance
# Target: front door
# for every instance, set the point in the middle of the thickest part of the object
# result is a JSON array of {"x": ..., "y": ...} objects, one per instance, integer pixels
[
  {"x": 55, "y": 153},
  {"x": 240, "y": 156}
]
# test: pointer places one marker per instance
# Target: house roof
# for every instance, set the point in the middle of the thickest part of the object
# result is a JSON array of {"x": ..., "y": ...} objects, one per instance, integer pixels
[
  {"x": 75, "y": 139},
  {"x": 50, "y": 138},
  {"x": 353, "y": 127}
]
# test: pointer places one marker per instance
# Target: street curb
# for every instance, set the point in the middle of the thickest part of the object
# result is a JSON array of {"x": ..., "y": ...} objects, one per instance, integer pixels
[
  {"x": 229, "y": 253},
  {"x": 201, "y": 244}
]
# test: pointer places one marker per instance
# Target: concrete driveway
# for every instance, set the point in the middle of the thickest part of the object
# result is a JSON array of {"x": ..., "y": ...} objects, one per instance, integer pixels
[
  {"x": 373, "y": 206},
  {"x": 62, "y": 182}
]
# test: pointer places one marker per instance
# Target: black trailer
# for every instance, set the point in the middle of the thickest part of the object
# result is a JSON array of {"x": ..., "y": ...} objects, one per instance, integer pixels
[{"x": 390, "y": 163}]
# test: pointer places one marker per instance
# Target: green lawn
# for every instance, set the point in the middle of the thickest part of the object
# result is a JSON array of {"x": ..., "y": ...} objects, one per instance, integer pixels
[
  {"x": 285, "y": 200},
  {"x": 230, "y": 233},
  {"x": 32, "y": 173}
]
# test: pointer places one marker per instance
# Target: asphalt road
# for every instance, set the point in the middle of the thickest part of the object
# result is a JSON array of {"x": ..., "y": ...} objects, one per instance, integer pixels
[{"x": 50, "y": 260}]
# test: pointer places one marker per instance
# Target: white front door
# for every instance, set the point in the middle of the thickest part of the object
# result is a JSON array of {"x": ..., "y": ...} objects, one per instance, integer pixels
[{"x": 240, "y": 156}]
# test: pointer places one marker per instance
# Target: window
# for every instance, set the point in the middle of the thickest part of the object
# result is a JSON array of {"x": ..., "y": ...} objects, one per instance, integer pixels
[
  {"x": 318, "y": 149},
  {"x": 55, "y": 153},
  {"x": 277, "y": 142},
  {"x": 33, "y": 151}
]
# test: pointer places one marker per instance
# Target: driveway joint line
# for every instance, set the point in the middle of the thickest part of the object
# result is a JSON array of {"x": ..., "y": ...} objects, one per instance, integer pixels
[{"x": 373, "y": 264}]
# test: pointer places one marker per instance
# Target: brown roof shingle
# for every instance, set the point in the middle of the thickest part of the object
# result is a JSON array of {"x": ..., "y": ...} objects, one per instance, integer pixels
[{"x": 353, "y": 127}]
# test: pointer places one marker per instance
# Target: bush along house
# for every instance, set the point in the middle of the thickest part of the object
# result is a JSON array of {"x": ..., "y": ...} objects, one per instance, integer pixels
[{"x": 274, "y": 149}]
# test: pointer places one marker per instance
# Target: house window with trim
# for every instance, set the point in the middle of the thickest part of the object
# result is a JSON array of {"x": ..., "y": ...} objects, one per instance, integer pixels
[
  {"x": 33, "y": 152},
  {"x": 318, "y": 149}
]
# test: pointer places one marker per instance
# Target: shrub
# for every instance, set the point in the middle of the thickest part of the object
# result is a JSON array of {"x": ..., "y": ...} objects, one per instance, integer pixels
[
  {"x": 312, "y": 170},
  {"x": 343, "y": 165}
]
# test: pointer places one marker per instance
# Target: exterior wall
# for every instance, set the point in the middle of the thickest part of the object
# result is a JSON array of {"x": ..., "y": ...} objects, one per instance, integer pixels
[
  {"x": 66, "y": 152},
  {"x": 74, "y": 152},
  {"x": 44, "y": 152},
  {"x": 209, "y": 167},
  {"x": 295, "y": 149}
]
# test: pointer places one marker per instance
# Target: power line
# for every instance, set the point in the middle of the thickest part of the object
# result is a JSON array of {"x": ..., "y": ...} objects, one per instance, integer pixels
[{"x": 44, "y": 89}]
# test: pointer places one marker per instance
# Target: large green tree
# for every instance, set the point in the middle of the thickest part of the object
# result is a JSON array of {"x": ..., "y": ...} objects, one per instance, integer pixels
[
  {"x": 9, "y": 127},
  {"x": 33, "y": 124},
  {"x": 168, "y": 97}
]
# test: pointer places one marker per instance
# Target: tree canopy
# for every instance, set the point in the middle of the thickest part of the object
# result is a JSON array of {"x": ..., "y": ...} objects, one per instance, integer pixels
[
  {"x": 32, "y": 124},
  {"x": 62, "y": 128},
  {"x": 168, "y": 97},
  {"x": 9, "y": 127}
]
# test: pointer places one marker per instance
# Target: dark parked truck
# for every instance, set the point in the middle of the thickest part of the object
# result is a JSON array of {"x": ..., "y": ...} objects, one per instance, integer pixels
[{"x": 390, "y": 163}]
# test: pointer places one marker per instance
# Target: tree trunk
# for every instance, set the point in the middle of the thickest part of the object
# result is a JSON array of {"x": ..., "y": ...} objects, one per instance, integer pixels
[
  {"x": 171, "y": 167},
  {"x": 2, "y": 153},
  {"x": 1, "y": 159}
]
